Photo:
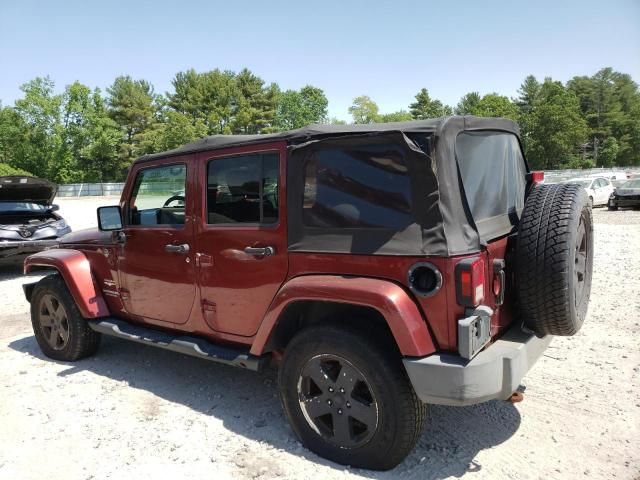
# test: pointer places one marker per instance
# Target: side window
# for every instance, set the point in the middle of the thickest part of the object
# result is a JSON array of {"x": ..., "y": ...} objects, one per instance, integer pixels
[
  {"x": 359, "y": 187},
  {"x": 243, "y": 189},
  {"x": 158, "y": 196}
]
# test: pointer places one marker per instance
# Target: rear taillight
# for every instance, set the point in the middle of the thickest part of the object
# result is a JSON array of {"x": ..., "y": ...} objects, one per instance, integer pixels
[
  {"x": 536, "y": 176},
  {"x": 470, "y": 282}
]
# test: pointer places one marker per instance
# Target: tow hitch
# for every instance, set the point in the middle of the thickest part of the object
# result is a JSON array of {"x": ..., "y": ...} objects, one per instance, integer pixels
[{"x": 516, "y": 397}]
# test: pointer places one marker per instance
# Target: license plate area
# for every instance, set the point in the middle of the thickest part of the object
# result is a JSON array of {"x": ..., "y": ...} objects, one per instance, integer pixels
[{"x": 474, "y": 333}]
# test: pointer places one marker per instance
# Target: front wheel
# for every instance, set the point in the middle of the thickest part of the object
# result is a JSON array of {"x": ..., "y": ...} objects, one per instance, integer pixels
[
  {"x": 348, "y": 397},
  {"x": 60, "y": 330}
]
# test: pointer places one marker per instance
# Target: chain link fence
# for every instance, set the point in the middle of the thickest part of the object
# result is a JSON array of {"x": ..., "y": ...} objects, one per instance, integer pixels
[
  {"x": 115, "y": 189},
  {"x": 616, "y": 174},
  {"x": 90, "y": 189}
]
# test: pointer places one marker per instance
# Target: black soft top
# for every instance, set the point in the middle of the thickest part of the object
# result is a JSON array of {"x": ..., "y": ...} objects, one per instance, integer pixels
[
  {"x": 448, "y": 126},
  {"x": 443, "y": 224}
]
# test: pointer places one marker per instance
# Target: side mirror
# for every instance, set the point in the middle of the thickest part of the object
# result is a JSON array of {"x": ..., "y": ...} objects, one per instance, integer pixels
[
  {"x": 54, "y": 208},
  {"x": 109, "y": 218}
]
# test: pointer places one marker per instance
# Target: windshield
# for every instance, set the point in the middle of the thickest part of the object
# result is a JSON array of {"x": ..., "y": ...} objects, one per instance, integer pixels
[
  {"x": 582, "y": 183},
  {"x": 635, "y": 183},
  {"x": 21, "y": 207}
]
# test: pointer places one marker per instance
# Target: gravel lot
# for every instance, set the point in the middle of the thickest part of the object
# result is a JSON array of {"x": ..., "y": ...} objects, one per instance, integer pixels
[{"x": 134, "y": 411}]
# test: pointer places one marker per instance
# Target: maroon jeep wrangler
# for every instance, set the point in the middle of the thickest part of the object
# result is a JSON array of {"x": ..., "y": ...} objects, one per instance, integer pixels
[{"x": 381, "y": 267}]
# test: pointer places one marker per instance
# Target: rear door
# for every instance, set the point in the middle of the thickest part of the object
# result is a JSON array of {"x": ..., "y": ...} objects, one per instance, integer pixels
[
  {"x": 155, "y": 261},
  {"x": 241, "y": 242}
]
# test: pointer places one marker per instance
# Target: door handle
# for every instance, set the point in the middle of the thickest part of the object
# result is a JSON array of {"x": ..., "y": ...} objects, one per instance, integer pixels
[
  {"x": 184, "y": 248},
  {"x": 260, "y": 251}
]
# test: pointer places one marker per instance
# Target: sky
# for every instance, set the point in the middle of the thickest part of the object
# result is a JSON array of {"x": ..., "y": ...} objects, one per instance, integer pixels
[{"x": 388, "y": 50}]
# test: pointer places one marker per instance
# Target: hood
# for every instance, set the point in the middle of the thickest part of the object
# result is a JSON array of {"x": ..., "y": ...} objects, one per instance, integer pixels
[
  {"x": 27, "y": 189},
  {"x": 627, "y": 191},
  {"x": 87, "y": 236}
]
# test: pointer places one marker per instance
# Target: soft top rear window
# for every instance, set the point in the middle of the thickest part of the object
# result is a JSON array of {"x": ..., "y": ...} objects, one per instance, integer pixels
[{"x": 493, "y": 174}]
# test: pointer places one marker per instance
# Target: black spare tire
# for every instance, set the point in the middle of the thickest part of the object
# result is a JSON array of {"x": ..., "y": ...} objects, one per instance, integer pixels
[{"x": 555, "y": 259}]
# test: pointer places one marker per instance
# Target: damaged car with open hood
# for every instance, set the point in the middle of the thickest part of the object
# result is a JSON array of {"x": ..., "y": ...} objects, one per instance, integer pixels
[{"x": 28, "y": 219}]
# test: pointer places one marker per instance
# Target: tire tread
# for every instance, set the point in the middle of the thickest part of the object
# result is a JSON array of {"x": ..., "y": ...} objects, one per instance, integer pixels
[{"x": 544, "y": 255}]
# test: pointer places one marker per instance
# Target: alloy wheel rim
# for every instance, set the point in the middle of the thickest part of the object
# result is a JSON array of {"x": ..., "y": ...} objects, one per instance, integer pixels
[
  {"x": 337, "y": 401},
  {"x": 54, "y": 322}
]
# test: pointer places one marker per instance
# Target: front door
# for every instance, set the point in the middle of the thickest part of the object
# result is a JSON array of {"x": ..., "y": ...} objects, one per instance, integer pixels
[
  {"x": 155, "y": 265},
  {"x": 241, "y": 242}
]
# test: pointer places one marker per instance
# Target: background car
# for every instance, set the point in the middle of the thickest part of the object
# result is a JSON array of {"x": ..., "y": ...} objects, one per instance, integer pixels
[
  {"x": 599, "y": 189},
  {"x": 626, "y": 195},
  {"x": 28, "y": 222},
  {"x": 613, "y": 175}
]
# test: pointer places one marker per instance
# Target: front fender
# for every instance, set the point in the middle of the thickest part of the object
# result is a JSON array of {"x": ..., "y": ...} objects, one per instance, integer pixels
[
  {"x": 392, "y": 301},
  {"x": 75, "y": 269}
]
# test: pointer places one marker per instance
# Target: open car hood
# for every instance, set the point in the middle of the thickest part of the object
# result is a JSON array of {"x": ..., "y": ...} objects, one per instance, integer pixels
[{"x": 19, "y": 188}]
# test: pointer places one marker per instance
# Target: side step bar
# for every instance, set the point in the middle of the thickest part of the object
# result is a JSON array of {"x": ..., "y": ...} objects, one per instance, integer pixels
[{"x": 195, "y": 347}]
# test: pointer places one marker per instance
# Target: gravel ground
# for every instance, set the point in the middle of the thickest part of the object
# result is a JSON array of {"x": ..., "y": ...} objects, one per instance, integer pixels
[{"x": 137, "y": 411}]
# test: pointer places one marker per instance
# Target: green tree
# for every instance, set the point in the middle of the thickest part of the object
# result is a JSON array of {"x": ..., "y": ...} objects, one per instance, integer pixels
[
  {"x": 296, "y": 109},
  {"x": 528, "y": 94},
  {"x": 494, "y": 105},
  {"x": 364, "y": 110},
  {"x": 225, "y": 102},
  {"x": 336, "y": 121},
  {"x": 399, "y": 116},
  {"x": 256, "y": 104},
  {"x": 40, "y": 113},
  {"x": 76, "y": 105},
  {"x": 424, "y": 107},
  {"x": 174, "y": 129},
  {"x": 91, "y": 138},
  {"x": 132, "y": 105},
  {"x": 209, "y": 97},
  {"x": 610, "y": 102},
  {"x": 14, "y": 136},
  {"x": 467, "y": 103},
  {"x": 555, "y": 129},
  {"x": 528, "y": 99},
  {"x": 99, "y": 157},
  {"x": 7, "y": 170},
  {"x": 609, "y": 152}
]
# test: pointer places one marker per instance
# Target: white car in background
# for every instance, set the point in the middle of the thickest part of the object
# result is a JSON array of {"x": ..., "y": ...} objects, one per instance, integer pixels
[
  {"x": 612, "y": 175},
  {"x": 599, "y": 189}
]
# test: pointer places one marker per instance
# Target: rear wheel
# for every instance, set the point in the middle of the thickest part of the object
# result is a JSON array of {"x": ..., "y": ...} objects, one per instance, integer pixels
[
  {"x": 60, "y": 330},
  {"x": 348, "y": 397}
]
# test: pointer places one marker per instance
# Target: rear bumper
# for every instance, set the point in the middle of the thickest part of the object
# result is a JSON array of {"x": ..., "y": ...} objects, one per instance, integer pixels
[
  {"x": 9, "y": 248},
  {"x": 494, "y": 373}
]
